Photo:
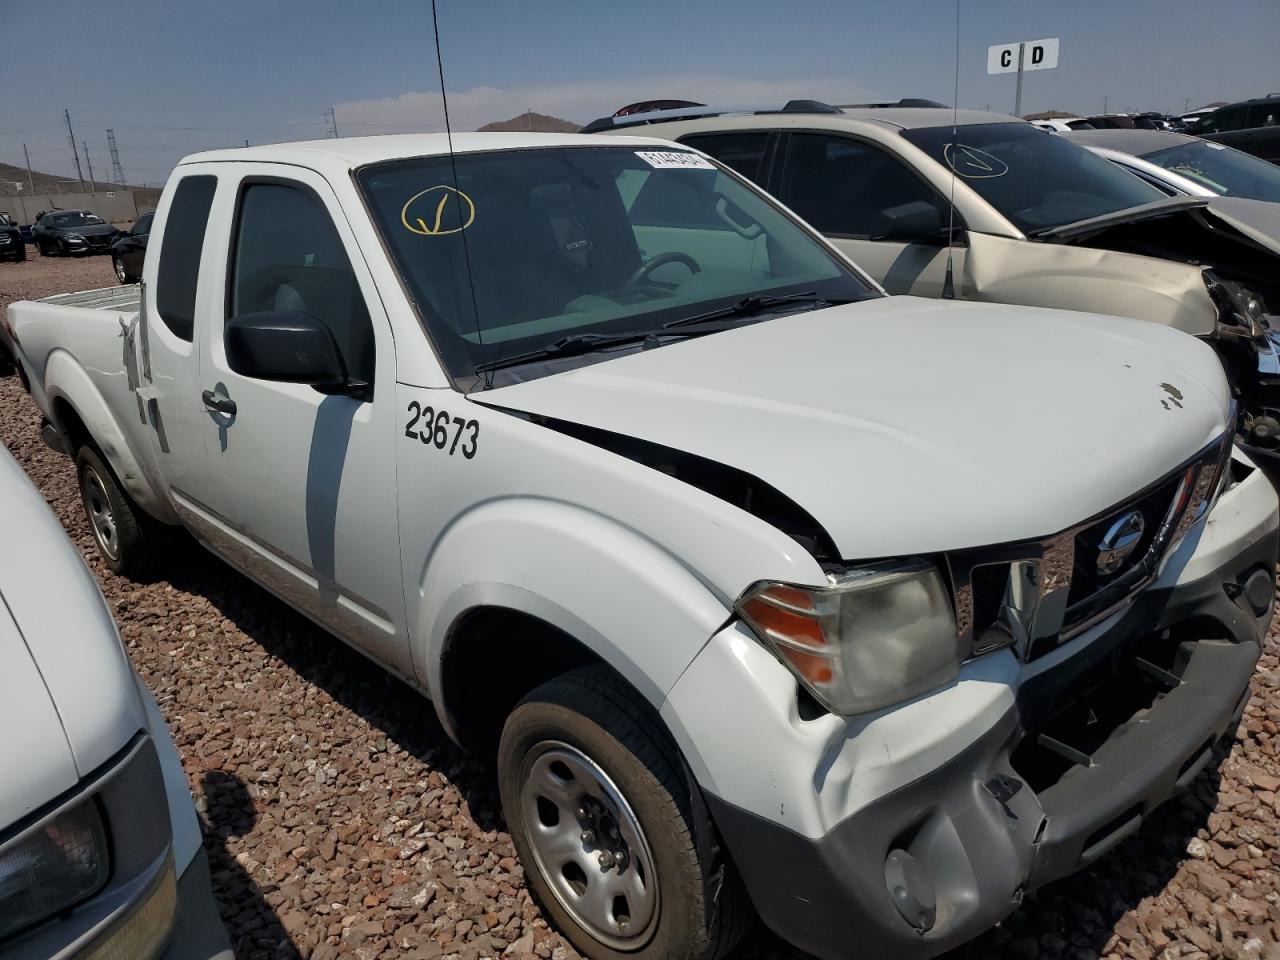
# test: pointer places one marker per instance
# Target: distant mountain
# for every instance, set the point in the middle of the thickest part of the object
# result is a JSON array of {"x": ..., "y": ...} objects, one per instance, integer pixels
[
  {"x": 1050, "y": 115},
  {"x": 536, "y": 122},
  {"x": 45, "y": 182}
]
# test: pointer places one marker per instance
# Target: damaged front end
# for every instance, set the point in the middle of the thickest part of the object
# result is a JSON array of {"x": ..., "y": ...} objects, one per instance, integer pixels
[
  {"x": 1238, "y": 255},
  {"x": 1248, "y": 341}
]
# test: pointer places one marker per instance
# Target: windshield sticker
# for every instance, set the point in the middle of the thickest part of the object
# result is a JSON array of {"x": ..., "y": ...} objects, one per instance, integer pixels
[
  {"x": 674, "y": 160},
  {"x": 430, "y": 214},
  {"x": 972, "y": 163}
]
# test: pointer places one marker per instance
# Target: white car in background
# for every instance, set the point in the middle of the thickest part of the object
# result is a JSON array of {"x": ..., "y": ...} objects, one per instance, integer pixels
[
  {"x": 1178, "y": 163},
  {"x": 100, "y": 850},
  {"x": 1062, "y": 124}
]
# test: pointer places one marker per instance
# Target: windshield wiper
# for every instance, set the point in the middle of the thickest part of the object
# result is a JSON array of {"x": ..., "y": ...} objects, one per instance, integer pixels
[
  {"x": 578, "y": 343},
  {"x": 752, "y": 305}
]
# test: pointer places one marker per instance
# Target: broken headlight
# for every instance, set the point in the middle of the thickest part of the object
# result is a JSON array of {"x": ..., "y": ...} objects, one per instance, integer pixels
[
  {"x": 1241, "y": 313},
  {"x": 868, "y": 639}
]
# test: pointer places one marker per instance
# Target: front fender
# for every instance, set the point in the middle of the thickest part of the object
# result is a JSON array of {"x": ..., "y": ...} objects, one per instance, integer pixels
[
  {"x": 65, "y": 380},
  {"x": 630, "y": 602}
]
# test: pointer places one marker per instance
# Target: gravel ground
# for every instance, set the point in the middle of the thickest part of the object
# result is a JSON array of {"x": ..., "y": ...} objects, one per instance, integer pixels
[{"x": 340, "y": 821}]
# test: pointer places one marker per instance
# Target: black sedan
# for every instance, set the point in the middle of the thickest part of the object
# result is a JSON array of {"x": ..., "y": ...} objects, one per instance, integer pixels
[
  {"x": 130, "y": 248},
  {"x": 65, "y": 232},
  {"x": 11, "y": 247}
]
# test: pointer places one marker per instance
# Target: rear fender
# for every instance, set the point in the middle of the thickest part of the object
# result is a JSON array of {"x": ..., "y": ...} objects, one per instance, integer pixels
[{"x": 65, "y": 381}]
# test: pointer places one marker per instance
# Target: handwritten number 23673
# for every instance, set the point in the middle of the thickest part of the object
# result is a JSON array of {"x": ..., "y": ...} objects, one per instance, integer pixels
[{"x": 441, "y": 430}]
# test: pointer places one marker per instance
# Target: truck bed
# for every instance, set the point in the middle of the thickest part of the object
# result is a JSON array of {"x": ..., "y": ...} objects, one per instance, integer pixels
[{"x": 126, "y": 298}]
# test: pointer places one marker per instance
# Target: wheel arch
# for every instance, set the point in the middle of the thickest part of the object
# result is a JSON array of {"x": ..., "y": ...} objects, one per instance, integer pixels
[
  {"x": 519, "y": 588},
  {"x": 80, "y": 413}
]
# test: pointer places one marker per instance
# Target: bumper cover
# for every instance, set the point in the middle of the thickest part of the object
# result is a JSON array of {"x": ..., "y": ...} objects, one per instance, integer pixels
[{"x": 943, "y": 858}]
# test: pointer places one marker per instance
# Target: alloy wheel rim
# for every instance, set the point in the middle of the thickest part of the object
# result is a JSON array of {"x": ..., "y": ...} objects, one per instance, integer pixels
[
  {"x": 101, "y": 518},
  {"x": 120, "y": 271},
  {"x": 589, "y": 846}
]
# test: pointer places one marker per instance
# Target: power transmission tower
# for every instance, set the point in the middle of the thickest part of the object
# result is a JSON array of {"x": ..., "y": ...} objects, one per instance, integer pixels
[
  {"x": 30, "y": 183},
  {"x": 93, "y": 187},
  {"x": 333, "y": 122},
  {"x": 71, "y": 135},
  {"x": 117, "y": 174}
]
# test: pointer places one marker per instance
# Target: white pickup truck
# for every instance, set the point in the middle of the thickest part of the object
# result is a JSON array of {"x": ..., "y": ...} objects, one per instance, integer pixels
[{"x": 763, "y": 588}]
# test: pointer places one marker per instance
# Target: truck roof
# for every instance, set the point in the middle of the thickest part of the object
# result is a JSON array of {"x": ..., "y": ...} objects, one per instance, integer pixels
[{"x": 350, "y": 152}]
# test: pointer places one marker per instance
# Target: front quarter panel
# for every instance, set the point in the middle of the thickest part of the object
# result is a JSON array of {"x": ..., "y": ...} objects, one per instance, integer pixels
[
  {"x": 1005, "y": 270},
  {"x": 637, "y": 565}
]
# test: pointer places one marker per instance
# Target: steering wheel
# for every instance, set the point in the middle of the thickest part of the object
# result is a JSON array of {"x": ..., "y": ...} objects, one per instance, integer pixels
[{"x": 660, "y": 260}]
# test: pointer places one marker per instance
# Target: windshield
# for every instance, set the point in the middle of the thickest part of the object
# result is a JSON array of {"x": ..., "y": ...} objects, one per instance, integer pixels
[
  {"x": 1037, "y": 182},
  {"x": 537, "y": 245},
  {"x": 75, "y": 220},
  {"x": 1227, "y": 172}
]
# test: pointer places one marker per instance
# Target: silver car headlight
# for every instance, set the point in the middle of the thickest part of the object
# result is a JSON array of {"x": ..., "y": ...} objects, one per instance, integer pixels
[
  {"x": 75, "y": 237},
  {"x": 870, "y": 638},
  {"x": 58, "y": 865}
]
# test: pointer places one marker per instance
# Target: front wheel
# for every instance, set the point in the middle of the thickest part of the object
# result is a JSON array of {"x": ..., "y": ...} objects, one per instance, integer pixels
[
  {"x": 119, "y": 526},
  {"x": 118, "y": 265},
  {"x": 612, "y": 830}
]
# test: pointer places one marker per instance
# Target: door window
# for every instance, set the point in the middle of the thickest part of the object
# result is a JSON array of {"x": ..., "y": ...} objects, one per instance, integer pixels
[
  {"x": 180, "y": 254},
  {"x": 743, "y": 152},
  {"x": 143, "y": 226},
  {"x": 843, "y": 187},
  {"x": 288, "y": 257}
]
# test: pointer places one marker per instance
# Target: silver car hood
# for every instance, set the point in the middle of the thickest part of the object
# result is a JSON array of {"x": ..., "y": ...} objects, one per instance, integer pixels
[
  {"x": 906, "y": 425},
  {"x": 68, "y": 700},
  {"x": 1256, "y": 219}
]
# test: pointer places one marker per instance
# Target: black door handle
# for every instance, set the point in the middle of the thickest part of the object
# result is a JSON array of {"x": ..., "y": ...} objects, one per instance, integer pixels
[{"x": 221, "y": 404}]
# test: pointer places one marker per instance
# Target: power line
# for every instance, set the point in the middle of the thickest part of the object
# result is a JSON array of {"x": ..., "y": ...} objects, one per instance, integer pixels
[{"x": 116, "y": 173}]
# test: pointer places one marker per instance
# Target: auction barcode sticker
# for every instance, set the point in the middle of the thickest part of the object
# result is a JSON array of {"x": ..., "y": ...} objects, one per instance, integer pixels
[{"x": 674, "y": 160}]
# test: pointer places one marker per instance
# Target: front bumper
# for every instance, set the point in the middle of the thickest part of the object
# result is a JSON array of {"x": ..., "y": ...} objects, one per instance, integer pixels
[{"x": 949, "y": 852}]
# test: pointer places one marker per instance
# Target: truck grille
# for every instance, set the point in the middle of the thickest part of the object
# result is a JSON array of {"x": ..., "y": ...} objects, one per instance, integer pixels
[{"x": 1036, "y": 595}]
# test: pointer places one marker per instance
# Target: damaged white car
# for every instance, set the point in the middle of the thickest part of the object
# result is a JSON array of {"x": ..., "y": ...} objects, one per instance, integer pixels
[{"x": 1038, "y": 220}]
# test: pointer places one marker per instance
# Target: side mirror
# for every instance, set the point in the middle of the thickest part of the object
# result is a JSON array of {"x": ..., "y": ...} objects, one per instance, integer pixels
[
  {"x": 286, "y": 346},
  {"x": 915, "y": 222}
]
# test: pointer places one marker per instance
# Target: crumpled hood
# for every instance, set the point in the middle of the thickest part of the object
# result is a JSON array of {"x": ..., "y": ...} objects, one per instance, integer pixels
[
  {"x": 906, "y": 425},
  {"x": 68, "y": 700},
  {"x": 1256, "y": 219}
]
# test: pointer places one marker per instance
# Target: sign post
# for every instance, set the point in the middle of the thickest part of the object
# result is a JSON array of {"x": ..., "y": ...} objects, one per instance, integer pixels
[{"x": 1020, "y": 56}]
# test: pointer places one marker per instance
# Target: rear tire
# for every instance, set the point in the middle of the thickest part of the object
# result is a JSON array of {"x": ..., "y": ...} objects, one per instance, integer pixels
[
  {"x": 124, "y": 535},
  {"x": 587, "y": 771}
]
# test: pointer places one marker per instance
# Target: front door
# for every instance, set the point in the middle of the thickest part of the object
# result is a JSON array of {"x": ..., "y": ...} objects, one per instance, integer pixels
[
  {"x": 848, "y": 189},
  {"x": 306, "y": 495}
]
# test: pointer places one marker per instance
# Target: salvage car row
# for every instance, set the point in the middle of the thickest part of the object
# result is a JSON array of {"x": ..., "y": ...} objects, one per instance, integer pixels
[{"x": 768, "y": 590}]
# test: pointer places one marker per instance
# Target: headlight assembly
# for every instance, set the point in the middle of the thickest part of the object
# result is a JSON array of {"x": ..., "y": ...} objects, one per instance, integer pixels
[
  {"x": 869, "y": 639},
  {"x": 56, "y": 866},
  {"x": 1241, "y": 313}
]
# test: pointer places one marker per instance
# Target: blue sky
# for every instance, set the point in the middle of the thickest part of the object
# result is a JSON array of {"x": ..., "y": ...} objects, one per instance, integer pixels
[{"x": 174, "y": 77}]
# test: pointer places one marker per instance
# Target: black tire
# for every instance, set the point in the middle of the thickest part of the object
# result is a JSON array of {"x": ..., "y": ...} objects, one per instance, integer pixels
[
  {"x": 21, "y": 256},
  {"x": 701, "y": 907},
  {"x": 127, "y": 547}
]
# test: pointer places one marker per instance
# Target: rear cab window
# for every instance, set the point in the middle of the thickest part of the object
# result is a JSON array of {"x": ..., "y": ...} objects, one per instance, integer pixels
[{"x": 180, "y": 253}]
